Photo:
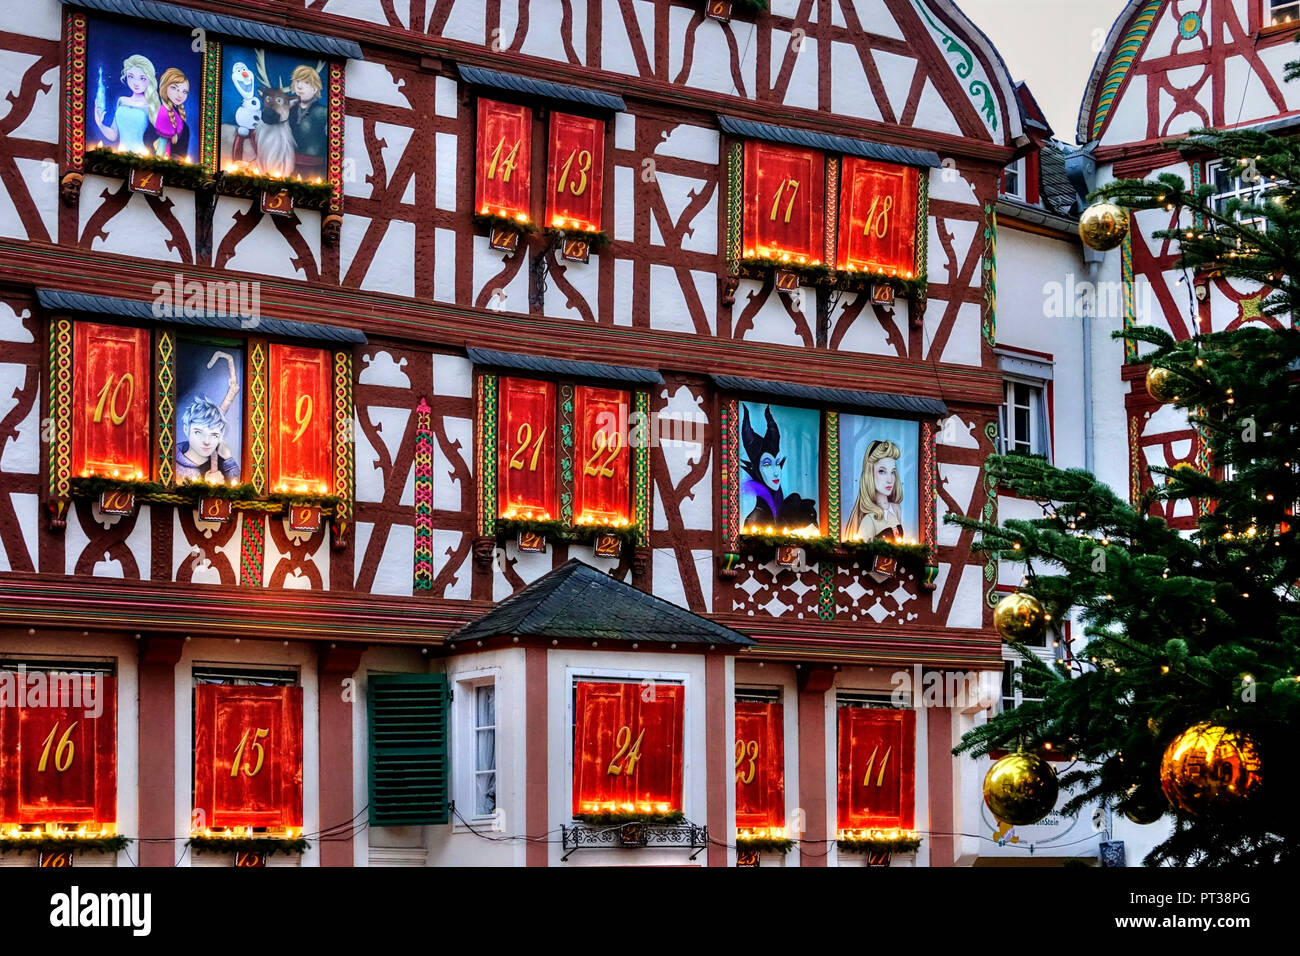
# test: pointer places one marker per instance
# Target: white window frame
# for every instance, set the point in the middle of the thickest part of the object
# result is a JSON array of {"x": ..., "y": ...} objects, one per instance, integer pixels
[
  {"x": 1272, "y": 8},
  {"x": 1019, "y": 169},
  {"x": 573, "y": 675},
  {"x": 1039, "y": 443},
  {"x": 465, "y": 729},
  {"x": 1239, "y": 189}
]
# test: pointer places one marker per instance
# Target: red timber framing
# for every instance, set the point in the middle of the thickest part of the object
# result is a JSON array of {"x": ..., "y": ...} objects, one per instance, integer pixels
[{"x": 319, "y": 281}]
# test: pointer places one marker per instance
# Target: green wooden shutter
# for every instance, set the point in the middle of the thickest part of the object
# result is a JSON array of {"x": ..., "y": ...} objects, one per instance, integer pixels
[{"x": 408, "y": 749}]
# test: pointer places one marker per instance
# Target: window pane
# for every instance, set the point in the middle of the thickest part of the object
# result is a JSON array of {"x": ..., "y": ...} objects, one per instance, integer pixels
[
  {"x": 485, "y": 750},
  {"x": 1022, "y": 425},
  {"x": 485, "y": 708},
  {"x": 1022, "y": 394},
  {"x": 485, "y": 793}
]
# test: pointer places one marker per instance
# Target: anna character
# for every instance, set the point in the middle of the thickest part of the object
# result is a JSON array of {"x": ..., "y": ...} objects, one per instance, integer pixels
[
  {"x": 134, "y": 115},
  {"x": 876, "y": 513},
  {"x": 173, "y": 130},
  {"x": 763, "y": 464},
  {"x": 203, "y": 454}
]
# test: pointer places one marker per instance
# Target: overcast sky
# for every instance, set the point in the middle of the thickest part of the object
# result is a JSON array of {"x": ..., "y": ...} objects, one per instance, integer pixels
[{"x": 1049, "y": 44}]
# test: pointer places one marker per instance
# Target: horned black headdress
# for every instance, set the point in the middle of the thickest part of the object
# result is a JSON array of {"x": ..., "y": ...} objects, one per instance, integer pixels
[{"x": 755, "y": 445}]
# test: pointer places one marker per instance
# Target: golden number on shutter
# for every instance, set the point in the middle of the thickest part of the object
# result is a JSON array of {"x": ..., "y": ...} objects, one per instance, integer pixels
[
  {"x": 603, "y": 443},
  {"x": 584, "y": 166},
  {"x": 114, "y": 415},
  {"x": 878, "y": 217},
  {"x": 239, "y": 753},
  {"x": 507, "y": 164},
  {"x": 523, "y": 438},
  {"x": 746, "y": 749},
  {"x": 623, "y": 739},
  {"x": 880, "y": 778},
  {"x": 776, "y": 200},
  {"x": 302, "y": 414},
  {"x": 60, "y": 764}
]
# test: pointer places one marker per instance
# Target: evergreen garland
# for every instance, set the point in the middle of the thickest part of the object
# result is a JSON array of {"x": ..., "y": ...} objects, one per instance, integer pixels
[
  {"x": 253, "y": 844},
  {"x": 49, "y": 843},
  {"x": 878, "y": 844},
  {"x": 617, "y": 818},
  {"x": 760, "y": 844},
  {"x": 490, "y": 221},
  {"x": 101, "y": 159}
]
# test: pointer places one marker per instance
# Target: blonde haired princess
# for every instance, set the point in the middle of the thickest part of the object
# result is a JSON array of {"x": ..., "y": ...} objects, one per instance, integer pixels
[
  {"x": 134, "y": 115},
  {"x": 876, "y": 512}
]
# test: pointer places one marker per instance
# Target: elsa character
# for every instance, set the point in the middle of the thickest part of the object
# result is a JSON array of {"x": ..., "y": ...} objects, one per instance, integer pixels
[
  {"x": 133, "y": 115},
  {"x": 876, "y": 513}
]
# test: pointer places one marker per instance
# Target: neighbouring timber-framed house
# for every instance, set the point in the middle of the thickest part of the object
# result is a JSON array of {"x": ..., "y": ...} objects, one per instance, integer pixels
[{"x": 433, "y": 418}]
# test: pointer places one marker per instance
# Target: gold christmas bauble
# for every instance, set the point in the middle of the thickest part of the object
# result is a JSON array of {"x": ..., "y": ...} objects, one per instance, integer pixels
[
  {"x": 1162, "y": 384},
  {"x": 1020, "y": 789},
  {"x": 1020, "y": 618},
  {"x": 1103, "y": 226},
  {"x": 1209, "y": 768},
  {"x": 1144, "y": 804}
]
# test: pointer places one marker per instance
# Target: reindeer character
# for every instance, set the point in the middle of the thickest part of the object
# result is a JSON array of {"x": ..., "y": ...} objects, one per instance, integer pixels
[{"x": 275, "y": 142}]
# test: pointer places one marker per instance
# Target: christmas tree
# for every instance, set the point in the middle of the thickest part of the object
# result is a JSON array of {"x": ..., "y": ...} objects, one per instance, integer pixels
[{"x": 1183, "y": 629}]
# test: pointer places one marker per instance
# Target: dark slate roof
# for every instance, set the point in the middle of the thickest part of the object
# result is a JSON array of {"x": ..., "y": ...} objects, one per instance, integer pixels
[
  {"x": 1054, "y": 186},
  {"x": 900, "y": 406},
  {"x": 828, "y": 142},
  {"x": 261, "y": 33},
  {"x": 579, "y": 601},
  {"x": 556, "y": 366},
  {"x": 58, "y": 300},
  {"x": 545, "y": 88}
]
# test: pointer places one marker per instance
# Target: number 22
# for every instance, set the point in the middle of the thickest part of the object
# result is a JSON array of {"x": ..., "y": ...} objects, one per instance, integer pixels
[{"x": 600, "y": 445}]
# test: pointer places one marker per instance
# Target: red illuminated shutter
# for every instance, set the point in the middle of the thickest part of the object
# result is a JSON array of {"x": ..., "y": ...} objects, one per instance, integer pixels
[
  {"x": 575, "y": 172},
  {"x": 526, "y": 469},
  {"x": 877, "y": 768},
  {"x": 261, "y": 729},
  {"x": 504, "y": 162},
  {"x": 602, "y": 462},
  {"x": 628, "y": 747},
  {"x": 58, "y": 765},
  {"x": 110, "y": 404},
  {"x": 784, "y": 203},
  {"x": 760, "y": 765},
  {"x": 300, "y": 411},
  {"x": 878, "y": 218}
]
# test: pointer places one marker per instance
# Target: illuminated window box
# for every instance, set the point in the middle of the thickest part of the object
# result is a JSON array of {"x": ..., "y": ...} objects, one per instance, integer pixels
[
  {"x": 878, "y": 845},
  {"x": 53, "y": 839},
  {"x": 120, "y": 162},
  {"x": 763, "y": 840},
  {"x": 767, "y": 540},
  {"x": 251, "y": 840},
  {"x": 612, "y": 834},
  {"x": 504, "y": 231},
  {"x": 808, "y": 272},
  {"x": 249, "y": 182}
]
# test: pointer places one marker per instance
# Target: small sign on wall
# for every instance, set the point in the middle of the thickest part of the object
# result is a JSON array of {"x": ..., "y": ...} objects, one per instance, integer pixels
[
  {"x": 116, "y": 502},
  {"x": 147, "y": 181},
  {"x": 277, "y": 203}
]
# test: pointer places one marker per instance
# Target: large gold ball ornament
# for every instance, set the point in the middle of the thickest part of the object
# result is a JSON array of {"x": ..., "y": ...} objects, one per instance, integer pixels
[
  {"x": 1020, "y": 618},
  {"x": 1103, "y": 226},
  {"x": 1020, "y": 789},
  {"x": 1144, "y": 804},
  {"x": 1209, "y": 768},
  {"x": 1162, "y": 384}
]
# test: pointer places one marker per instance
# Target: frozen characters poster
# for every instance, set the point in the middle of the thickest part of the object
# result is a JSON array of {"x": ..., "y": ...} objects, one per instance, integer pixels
[
  {"x": 780, "y": 451},
  {"x": 274, "y": 113},
  {"x": 142, "y": 90},
  {"x": 209, "y": 411},
  {"x": 879, "y": 465}
]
